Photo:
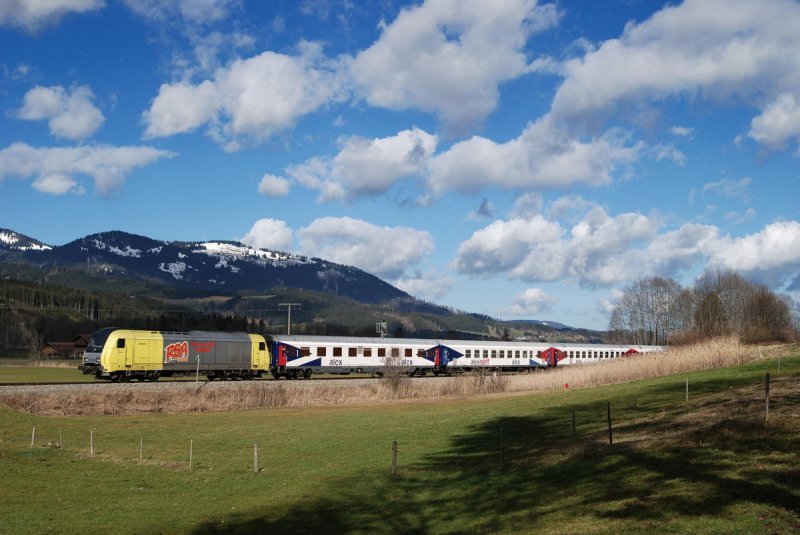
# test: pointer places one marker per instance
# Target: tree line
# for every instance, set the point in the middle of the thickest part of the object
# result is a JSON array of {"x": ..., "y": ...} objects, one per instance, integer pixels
[{"x": 660, "y": 311}]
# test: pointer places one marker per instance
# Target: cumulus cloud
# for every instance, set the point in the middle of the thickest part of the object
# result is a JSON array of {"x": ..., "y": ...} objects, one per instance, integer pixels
[
  {"x": 366, "y": 166},
  {"x": 271, "y": 234},
  {"x": 527, "y": 205},
  {"x": 425, "y": 285},
  {"x": 56, "y": 184},
  {"x": 32, "y": 15},
  {"x": 771, "y": 255},
  {"x": 531, "y": 301},
  {"x": 603, "y": 250},
  {"x": 383, "y": 251},
  {"x": 249, "y": 100},
  {"x": 274, "y": 186},
  {"x": 54, "y": 170},
  {"x": 449, "y": 57},
  {"x": 544, "y": 155},
  {"x": 752, "y": 54},
  {"x": 70, "y": 114},
  {"x": 779, "y": 123},
  {"x": 598, "y": 250}
]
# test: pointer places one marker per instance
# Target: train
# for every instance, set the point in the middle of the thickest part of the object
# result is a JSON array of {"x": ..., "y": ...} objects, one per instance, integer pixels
[{"x": 118, "y": 354}]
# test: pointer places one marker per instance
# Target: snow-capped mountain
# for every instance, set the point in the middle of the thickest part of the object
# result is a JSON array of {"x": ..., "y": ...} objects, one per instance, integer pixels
[
  {"x": 223, "y": 266},
  {"x": 14, "y": 241}
]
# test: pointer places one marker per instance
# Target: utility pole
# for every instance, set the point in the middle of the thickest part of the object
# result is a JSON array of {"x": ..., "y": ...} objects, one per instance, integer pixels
[
  {"x": 380, "y": 328},
  {"x": 289, "y": 319}
]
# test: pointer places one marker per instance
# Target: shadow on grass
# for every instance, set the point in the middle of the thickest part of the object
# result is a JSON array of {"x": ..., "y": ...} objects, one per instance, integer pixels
[{"x": 553, "y": 481}]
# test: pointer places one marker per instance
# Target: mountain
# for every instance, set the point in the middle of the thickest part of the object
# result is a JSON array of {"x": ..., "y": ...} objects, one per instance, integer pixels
[
  {"x": 14, "y": 241},
  {"x": 211, "y": 267}
]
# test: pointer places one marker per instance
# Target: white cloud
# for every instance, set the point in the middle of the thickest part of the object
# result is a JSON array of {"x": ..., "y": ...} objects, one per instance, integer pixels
[
  {"x": 729, "y": 188},
  {"x": 527, "y": 205},
  {"x": 544, "y": 155},
  {"x": 194, "y": 11},
  {"x": 55, "y": 184},
  {"x": 274, "y": 186},
  {"x": 383, "y": 251},
  {"x": 779, "y": 122},
  {"x": 771, "y": 255},
  {"x": 52, "y": 168},
  {"x": 601, "y": 250},
  {"x": 271, "y": 234},
  {"x": 748, "y": 50},
  {"x": 681, "y": 131},
  {"x": 663, "y": 151},
  {"x": 366, "y": 166},
  {"x": 32, "y": 15},
  {"x": 449, "y": 57},
  {"x": 570, "y": 208},
  {"x": 428, "y": 286},
  {"x": 250, "y": 99},
  {"x": 70, "y": 114},
  {"x": 598, "y": 250},
  {"x": 531, "y": 301}
]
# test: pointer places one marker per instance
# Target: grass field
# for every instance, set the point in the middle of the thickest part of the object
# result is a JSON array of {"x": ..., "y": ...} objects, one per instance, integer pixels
[{"x": 709, "y": 465}]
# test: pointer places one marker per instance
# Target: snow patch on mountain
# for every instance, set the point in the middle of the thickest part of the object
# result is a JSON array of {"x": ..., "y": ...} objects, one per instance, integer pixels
[
  {"x": 128, "y": 251},
  {"x": 176, "y": 269},
  {"x": 232, "y": 252},
  {"x": 11, "y": 239}
]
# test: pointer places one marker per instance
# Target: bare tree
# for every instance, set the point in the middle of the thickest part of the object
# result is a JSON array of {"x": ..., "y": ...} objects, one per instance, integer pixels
[{"x": 647, "y": 311}]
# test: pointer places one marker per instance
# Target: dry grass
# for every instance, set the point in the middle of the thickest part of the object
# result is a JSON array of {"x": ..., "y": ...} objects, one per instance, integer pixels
[{"x": 272, "y": 394}]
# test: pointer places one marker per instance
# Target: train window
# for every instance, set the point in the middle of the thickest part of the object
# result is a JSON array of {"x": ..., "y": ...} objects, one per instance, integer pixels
[
  {"x": 409, "y": 352},
  {"x": 306, "y": 352},
  {"x": 524, "y": 354},
  {"x": 494, "y": 353},
  {"x": 468, "y": 353},
  {"x": 352, "y": 352},
  {"x": 262, "y": 346},
  {"x": 516, "y": 354},
  {"x": 486, "y": 353},
  {"x": 337, "y": 351},
  {"x": 120, "y": 343},
  {"x": 381, "y": 351},
  {"x": 321, "y": 351},
  {"x": 420, "y": 352},
  {"x": 502, "y": 354},
  {"x": 367, "y": 351}
]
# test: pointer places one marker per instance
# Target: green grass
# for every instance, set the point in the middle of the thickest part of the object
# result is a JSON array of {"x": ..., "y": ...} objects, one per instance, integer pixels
[
  {"x": 41, "y": 374},
  {"x": 709, "y": 465}
]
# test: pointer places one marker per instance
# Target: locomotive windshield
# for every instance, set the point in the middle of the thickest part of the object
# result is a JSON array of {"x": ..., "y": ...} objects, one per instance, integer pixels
[{"x": 99, "y": 340}]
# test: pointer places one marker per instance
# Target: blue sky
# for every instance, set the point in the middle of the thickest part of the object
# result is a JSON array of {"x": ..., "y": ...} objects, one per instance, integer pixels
[{"x": 520, "y": 159}]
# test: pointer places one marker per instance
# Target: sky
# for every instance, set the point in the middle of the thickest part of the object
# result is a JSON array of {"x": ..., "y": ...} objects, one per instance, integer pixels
[{"x": 521, "y": 159}]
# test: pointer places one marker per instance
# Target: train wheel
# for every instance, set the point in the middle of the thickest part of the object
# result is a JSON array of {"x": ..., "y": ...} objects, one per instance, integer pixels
[{"x": 307, "y": 374}]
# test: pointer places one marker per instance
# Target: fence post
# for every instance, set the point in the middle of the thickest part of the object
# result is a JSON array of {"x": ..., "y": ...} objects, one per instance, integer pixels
[
  {"x": 610, "y": 436},
  {"x": 766, "y": 397},
  {"x": 91, "y": 442},
  {"x": 60, "y": 440},
  {"x": 33, "y": 435},
  {"x": 141, "y": 448},
  {"x": 255, "y": 458},
  {"x": 394, "y": 457},
  {"x": 687, "y": 389},
  {"x": 191, "y": 446}
]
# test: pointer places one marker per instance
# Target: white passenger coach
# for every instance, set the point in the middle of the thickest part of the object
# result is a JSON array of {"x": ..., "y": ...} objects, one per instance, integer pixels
[{"x": 301, "y": 356}]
